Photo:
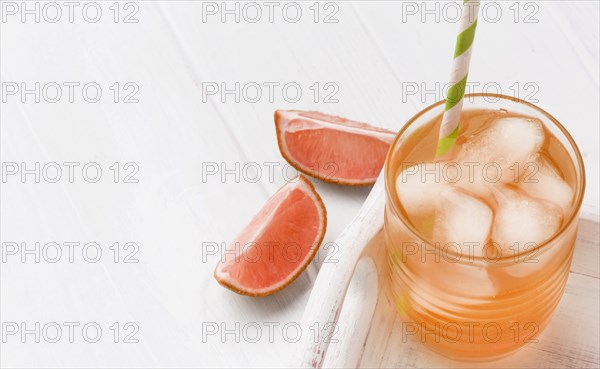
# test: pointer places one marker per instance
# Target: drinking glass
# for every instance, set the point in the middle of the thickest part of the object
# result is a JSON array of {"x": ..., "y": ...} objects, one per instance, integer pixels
[{"x": 467, "y": 306}]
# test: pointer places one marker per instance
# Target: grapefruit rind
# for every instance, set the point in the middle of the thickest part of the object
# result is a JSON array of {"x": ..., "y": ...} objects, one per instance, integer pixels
[
  {"x": 305, "y": 185},
  {"x": 284, "y": 117}
]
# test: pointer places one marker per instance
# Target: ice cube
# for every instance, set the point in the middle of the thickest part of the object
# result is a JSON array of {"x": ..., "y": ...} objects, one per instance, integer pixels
[
  {"x": 522, "y": 222},
  {"x": 464, "y": 220},
  {"x": 419, "y": 187},
  {"x": 472, "y": 179},
  {"x": 542, "y": 181},
  {"x": 506, "y": 144}
]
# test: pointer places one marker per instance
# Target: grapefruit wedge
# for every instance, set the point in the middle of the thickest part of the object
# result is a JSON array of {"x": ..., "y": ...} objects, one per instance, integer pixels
[
  {"x": 278, "y": 243},
  {"x": 332, "y": 149}
]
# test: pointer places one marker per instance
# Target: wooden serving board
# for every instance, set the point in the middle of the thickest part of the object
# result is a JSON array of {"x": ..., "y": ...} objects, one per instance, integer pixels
[
  {"x": 571, "y": 340},
  {"x": 373, "y": 56}
]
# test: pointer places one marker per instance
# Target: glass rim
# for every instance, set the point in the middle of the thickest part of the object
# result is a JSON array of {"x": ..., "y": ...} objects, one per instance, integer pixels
[{"x": 415, "y": 234}]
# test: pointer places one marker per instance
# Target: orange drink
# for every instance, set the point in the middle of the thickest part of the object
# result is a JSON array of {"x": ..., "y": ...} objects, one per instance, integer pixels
[{"x": 480, "y": 241}]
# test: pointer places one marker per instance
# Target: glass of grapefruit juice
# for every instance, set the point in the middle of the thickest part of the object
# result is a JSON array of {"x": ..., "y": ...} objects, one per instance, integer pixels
[{"x": 479, "y": 242}]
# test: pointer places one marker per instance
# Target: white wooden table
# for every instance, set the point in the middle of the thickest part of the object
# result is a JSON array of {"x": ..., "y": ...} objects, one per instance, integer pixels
[{"x": 194, "y": 164}]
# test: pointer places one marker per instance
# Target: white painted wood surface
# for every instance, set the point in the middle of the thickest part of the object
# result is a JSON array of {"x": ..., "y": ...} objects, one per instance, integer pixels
[
  {"x": 375, "y": 54},
  {"x": 331, "y": 288},
  {"x": 569, "y": 341}
]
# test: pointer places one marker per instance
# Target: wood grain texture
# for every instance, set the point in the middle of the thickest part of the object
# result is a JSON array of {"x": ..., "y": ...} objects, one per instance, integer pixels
[
  {"x": 371, "y": 55},
  {"x": 571, "y": 340},
  {"x": 329, "y": 292}
]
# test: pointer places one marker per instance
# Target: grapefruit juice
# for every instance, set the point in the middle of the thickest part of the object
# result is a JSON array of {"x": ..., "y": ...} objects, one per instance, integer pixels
[{"x": 479, "y": 242}]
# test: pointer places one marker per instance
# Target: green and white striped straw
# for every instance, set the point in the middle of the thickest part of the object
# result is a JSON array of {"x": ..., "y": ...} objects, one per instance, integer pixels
[{"x": 458, "y": 78}]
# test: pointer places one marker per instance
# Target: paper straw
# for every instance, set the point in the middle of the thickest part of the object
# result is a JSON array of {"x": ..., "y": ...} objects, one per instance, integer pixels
[{"x": 458, "y": 78}]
